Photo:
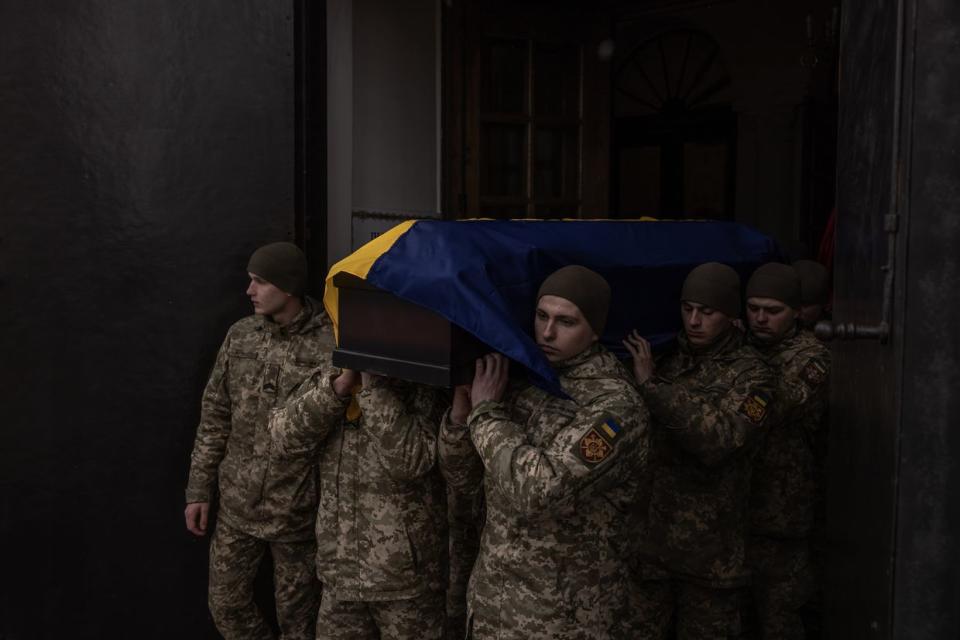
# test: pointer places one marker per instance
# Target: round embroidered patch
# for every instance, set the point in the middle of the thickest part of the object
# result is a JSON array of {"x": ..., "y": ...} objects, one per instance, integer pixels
[{"x": 593, "y": 447}]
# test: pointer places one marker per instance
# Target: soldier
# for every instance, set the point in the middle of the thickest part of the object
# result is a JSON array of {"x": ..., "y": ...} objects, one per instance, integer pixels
[
  {"x": 465, "y": 515},
  {"x": 709, "y": 401},
  {"x": 262, "y": 506},
  {"x": 559, "y": 475},
  {"x": 381, "y": 521},
  {"x": 784, "y": 491},
  {"x": 814, "y": 291}
]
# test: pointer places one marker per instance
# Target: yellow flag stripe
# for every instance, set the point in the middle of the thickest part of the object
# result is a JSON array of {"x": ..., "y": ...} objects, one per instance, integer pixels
[{"x": 359, "y": 263}]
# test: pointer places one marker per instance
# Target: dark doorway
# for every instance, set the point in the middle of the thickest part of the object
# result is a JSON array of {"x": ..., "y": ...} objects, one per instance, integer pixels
[{"x": 674, "y": 133}]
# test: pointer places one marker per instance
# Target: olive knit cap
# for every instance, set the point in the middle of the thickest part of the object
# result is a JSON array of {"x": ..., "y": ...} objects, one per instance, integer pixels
[
  {"x": 777, "y": 281},
  {"x": 282, "y": 264},
  {"x": 814, "y": 281},
  {"x": 585, "y": 288},
  {"x": 714, "y": 285}
]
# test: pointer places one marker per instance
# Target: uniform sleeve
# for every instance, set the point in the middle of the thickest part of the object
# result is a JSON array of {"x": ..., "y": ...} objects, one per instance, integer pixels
[
  {"x": 300, "y": 427},
  {"x": 803, "y": 395},
  {"x": 403, "y": 424},
  {"x": 602, "y": 443},
  {"x": 460, "y": 464},
  {"x": 807, "y": 391},
  {"x": 711, "y": 429},
  {"x": 212, "y": 432}
]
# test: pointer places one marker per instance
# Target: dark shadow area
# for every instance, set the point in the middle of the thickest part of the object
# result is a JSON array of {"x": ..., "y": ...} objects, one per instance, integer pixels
[{"x": 146, "y": 151}]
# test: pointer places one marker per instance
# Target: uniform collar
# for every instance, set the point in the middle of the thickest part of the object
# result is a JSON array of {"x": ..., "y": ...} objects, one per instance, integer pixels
[
  {"x": 774, "y": 347},
  {"x": 584, "y": 356},
  {"x": 730, "y": 339}
]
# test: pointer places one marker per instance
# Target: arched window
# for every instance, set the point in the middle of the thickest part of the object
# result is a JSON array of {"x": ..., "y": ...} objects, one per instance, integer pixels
[{"x": 674, "y": 140}]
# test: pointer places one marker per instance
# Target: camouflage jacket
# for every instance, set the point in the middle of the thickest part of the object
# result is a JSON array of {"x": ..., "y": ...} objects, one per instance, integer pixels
[
  {"x": 709, "y": 410},
  {"x": 381, "y": 523},
  {"x": 560, "y": 477},
  {"x": 784, "y": 487},
  {"x": 259, "y": 365}
]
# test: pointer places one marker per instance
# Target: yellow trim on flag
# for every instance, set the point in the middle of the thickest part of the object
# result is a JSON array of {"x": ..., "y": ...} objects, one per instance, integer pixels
[
  {"x": 359, "y": 263},
  {"x": 609, "y": 431}
]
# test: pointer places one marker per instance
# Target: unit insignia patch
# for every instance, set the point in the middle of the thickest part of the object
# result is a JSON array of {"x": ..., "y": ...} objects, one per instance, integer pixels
[
  {"x": 755, "y": 408},
  {"x": 593, "y": 447},
  {"x": 814, "y": 373}
]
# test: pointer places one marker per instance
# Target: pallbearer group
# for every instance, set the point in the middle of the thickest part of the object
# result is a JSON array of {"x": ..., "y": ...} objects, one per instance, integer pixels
[{"x": 678, "y": 494}]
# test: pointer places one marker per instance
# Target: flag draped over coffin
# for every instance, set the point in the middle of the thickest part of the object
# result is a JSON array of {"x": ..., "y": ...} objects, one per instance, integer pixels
[{"x": 483, "y": 275}]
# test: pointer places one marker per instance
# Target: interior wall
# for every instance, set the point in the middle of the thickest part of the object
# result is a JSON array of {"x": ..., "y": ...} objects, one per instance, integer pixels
[
  {"x": 148, "y": 148},
  {"x": 770, "y": 80},
  {"x": 386, "y": 155},
  {"x": 339, "y": 33}
]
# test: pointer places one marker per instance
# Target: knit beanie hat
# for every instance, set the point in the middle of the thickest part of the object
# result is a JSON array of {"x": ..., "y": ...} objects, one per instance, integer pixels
[
  {"x": 585, "y": 288},
  {"x": 777, "y": 281},
  {"x": 714, "y": 285},
  {"x": 813, "y": 281},
  {"x": 282, "y": 264}
]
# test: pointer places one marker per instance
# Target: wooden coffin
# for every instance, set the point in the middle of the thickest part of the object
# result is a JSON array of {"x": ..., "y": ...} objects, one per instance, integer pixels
[{"x": 384, "y": 334}]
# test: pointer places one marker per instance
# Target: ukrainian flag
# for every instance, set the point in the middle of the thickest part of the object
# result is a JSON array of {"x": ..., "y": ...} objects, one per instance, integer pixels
[{"x": 483, "y": 274}]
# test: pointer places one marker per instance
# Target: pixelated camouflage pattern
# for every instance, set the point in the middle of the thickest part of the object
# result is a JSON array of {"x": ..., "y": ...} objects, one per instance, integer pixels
[
  {"x": 555, "y": 548},
  {"x": 419, "y": 618},
  {"x": 381, "y": 523},
  {"x": 234, "y": 559},
  {"x": 784, "y": 488},
  {"x": 259, "y": 365},
  {"x": 782, "y": 584},
  {"x": 463, "y": 471},
  {"x": 686, "y": 611},
  {"x": 703, "y": 443},
  {"x": 787, "y": 485}
]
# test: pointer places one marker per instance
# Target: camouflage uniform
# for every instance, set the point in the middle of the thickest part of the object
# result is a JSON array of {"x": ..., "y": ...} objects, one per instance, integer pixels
[
  {"x": 709, "y": 408},
  {"x": 560, "y": 478},
  {"x": 784, "y": 489},
  {"x": 262, "y": 504},
  {"x": 465, "y": 515},
  {"x": 381, "y": 520}
]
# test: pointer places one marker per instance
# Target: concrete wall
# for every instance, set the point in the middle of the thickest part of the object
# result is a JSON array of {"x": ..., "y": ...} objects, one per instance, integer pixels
[
  {"x": 383, "y": 129},
  {"x": 147, "y": 149}
]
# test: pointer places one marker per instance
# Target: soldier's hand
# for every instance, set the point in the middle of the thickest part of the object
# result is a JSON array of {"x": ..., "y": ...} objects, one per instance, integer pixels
[
  {"x": 639, "y": 348},
  {"x": 461, "y": 405},
  {"x": 196, "y": 516},
  {"x": 345, "y": 382},
  {"x": 490, "y": 379}
]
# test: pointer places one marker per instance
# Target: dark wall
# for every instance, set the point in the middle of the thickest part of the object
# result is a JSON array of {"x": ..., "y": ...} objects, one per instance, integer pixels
[
  {"x": 146, "y": 148},
  {"x": 927, "y": 573},
  {"x": 894, "y": 528}
]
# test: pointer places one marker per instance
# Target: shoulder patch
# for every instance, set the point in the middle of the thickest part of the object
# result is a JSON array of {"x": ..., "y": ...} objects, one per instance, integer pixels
[
  {"x": 814, "y": 373},
  {"x": 755, "y": 407},
  {"x": 597, "y": 443}
]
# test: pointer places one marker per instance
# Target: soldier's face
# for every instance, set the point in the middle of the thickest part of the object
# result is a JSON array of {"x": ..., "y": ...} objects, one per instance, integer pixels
[
  {"x": 560, "y": 329},
  {"x": 267, "y": 299},
  {"x": 703, "y": 324},
  {"x": 770, "y": 319}
]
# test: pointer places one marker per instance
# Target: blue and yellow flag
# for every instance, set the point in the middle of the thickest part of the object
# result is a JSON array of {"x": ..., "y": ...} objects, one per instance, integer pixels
[{"x": 483, "y": 274}]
